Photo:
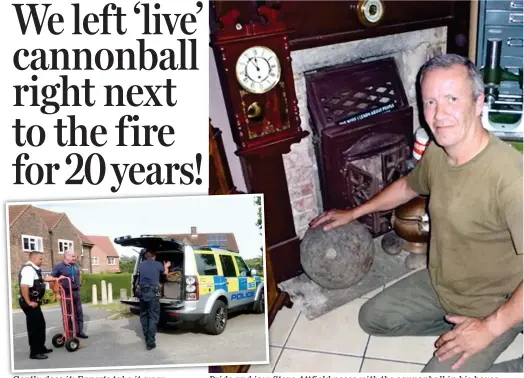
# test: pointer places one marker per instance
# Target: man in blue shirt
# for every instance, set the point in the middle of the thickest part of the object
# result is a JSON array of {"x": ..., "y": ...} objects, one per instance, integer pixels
[
  {"x": 68, "y": 268},
  {"x": 150, "y": 271}
]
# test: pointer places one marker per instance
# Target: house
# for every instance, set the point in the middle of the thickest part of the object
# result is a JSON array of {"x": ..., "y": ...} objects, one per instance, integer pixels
[
  {"x": 35, "y": 229},
  {"x": 104, "y": 257},
  {"x": 223, "y": 240}
]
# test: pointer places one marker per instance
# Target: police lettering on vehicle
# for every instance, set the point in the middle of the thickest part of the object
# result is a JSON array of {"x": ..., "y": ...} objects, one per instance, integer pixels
[{"x": 236, "y": 296}]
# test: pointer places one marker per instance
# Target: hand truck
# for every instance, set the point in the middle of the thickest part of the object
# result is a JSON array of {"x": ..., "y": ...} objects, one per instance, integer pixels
[{"x": 68, "y": 338}]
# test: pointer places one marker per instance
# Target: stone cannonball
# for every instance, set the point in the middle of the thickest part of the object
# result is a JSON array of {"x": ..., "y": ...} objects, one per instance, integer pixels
[{"x": 338, "y": 258}]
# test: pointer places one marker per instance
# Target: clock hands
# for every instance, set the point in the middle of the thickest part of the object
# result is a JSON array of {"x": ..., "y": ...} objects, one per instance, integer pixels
[{"x": 255, "y": 63}]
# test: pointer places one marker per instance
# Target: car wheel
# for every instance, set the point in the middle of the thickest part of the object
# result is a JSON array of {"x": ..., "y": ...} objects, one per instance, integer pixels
[
  {"x": 217, "y": 319},
  {"x": 260, "y": 306}
]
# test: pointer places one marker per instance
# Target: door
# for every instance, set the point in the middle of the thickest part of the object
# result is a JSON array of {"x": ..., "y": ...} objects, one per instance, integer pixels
[
  {"x": 230, "y": 273},
  {"x": 208, "y": 279},
  {"x": 247, "y": 284}
]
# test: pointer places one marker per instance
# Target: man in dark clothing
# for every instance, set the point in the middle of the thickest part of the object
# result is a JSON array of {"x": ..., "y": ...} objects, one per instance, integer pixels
[
  {"x": 68, "y": 268},
  {"x": 32, "y": 289},
  {"x": 151, "y": 271}
]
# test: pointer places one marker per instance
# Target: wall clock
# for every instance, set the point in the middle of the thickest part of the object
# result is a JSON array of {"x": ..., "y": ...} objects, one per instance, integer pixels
[
  {"x": 254, "y": 63},
  {"x": 258, "y": 69}
]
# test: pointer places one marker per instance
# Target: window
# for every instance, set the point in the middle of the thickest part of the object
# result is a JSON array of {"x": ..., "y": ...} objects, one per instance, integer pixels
[
  {"x": 32, "y": 243},
  {"x": 94, "y": 260},
  {"x": 243, "y": 269},
  {"x": 217, "y": 239},
  {"x": 84, "y": 249},
  {"x": 65, "y": 245},
  {"x": 228, "y": 266},
  {"x": 206, "y": 264},
  {"x": 110, "y": 261}
]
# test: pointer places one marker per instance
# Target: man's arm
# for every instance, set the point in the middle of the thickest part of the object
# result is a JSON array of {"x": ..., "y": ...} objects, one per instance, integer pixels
[
  {"x": 389, "y": 198},
  {"x": 54, "y": 272},
  {"x": 25, "y": 294},
  {"x": 508, "y": 315},
  {"x": 164, "y": 268},
  {"x": 79, "y": 273},
  {"x": 26, "y": 282}
]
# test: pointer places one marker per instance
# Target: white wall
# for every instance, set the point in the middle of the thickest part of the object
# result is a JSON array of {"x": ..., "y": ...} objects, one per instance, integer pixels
[{"x": 219, "y": 119}]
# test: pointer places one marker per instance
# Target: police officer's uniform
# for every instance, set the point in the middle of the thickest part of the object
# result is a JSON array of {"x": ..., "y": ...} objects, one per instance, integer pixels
[
  {"x": 31, "y": 275},
  {"x": 149, "y": 294}
]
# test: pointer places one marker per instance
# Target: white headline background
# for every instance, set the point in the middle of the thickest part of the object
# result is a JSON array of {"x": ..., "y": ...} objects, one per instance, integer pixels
[{"x": 189, "y": 119}]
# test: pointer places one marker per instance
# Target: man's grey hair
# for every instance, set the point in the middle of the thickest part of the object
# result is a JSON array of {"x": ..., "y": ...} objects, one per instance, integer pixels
[
  {"x": 68, "y": 252},
  {"x": 450, "y": 60}
]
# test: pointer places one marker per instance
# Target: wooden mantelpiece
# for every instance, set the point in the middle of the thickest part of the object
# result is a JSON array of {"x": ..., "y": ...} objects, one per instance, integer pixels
[{"x": 321, "y": 23}]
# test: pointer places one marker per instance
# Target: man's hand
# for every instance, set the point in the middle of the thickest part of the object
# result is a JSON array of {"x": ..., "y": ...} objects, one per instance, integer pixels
[
  {"x": 33, "y": 304},
  {"x": 469, "y": 337},
  {"x": 335, "y": 217}
]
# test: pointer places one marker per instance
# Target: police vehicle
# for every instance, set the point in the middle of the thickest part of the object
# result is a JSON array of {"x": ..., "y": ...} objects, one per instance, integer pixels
[{"x": 204, "y": 284}]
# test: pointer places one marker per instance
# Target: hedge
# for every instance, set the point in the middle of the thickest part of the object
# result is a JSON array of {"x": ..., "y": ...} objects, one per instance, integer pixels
[{"x": 117, "y": 280}]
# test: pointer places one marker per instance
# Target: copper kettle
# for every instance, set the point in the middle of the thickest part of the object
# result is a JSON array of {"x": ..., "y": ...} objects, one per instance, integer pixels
[{"x": 411, "y": 222}]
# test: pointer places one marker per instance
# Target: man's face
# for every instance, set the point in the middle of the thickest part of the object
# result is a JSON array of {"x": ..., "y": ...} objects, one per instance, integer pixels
[
  {"x": 449, "y": 108},
  {"x": 69, "y": 257},
  {"x": 37, "y": 260}
]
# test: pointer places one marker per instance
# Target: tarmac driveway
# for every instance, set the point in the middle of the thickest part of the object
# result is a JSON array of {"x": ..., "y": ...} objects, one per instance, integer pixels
[{"x": 244, "y": 340}]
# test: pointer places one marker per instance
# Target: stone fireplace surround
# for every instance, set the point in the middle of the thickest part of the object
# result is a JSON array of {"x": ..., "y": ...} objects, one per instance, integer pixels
[{"x": 410, "y": 51}]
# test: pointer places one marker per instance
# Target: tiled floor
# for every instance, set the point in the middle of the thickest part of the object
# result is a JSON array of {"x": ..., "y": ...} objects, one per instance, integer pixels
[{"x": 335, "y": 343}]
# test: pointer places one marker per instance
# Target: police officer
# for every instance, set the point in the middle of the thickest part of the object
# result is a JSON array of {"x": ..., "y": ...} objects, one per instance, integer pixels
[
  {"x": 150, "y": 271},
  {"x": 32, "y": 289},
  {"x": 68, "y": 268}
]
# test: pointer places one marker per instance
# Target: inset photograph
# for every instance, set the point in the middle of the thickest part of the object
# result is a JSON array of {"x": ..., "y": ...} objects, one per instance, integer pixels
[{"x": 137, "y": 282}]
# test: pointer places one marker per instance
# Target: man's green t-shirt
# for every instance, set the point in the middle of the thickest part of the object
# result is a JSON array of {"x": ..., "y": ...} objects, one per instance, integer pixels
[{"x": 475, "y": 210}]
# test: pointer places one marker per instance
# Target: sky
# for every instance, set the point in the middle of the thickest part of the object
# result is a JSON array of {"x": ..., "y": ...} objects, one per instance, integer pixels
[{"x": 209, "y": 214}]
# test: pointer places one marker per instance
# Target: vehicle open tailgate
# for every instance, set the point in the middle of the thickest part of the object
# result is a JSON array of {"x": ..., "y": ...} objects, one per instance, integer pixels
[{"x": 155, "y": 243}]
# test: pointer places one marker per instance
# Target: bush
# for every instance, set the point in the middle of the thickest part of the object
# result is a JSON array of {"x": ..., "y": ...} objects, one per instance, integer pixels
[
  {"x": 49, "y": 297},
  {"x": 15, "y": 293},
  {"x": 118, "y": 281}
]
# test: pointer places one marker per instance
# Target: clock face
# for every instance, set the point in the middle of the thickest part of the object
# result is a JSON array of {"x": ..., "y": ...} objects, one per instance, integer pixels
[{"x": 258, "y": 69}]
